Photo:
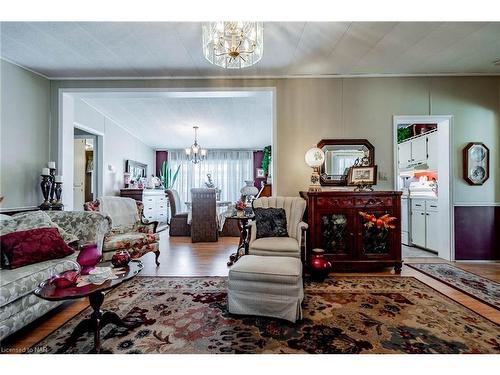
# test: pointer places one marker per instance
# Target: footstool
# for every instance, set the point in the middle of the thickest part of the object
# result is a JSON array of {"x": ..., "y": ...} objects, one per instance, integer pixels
[{"x": 266, "y": 286}]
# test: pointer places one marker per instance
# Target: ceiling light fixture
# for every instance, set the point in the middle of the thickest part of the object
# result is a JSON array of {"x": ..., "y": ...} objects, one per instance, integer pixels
[
  {"x": 195, "y": 153},
  {"x": 233, "y": 45}
]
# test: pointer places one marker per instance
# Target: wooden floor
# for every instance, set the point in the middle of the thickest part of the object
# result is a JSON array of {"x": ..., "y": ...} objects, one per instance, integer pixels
[{"x": 179, "y": 257}]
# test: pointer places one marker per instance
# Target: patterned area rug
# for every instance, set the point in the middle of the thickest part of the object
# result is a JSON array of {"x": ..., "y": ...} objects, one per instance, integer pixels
[
  {"x": 485, "y": 290},
  {"x": 341, "y": 315}
]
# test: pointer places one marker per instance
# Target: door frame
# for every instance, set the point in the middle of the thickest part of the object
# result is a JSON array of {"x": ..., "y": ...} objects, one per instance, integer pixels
[
  {"x": 98, "y": 180},
  {"x": 445, "y": 172}
]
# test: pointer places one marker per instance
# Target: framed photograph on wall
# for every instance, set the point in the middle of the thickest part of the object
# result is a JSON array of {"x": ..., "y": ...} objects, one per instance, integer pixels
[
  {"x": 260, "y": 173},
  {"x": 365, "y": 175}
]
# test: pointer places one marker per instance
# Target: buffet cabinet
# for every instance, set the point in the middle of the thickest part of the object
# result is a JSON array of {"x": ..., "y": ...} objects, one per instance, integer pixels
[{"x": 339, "y": 223}]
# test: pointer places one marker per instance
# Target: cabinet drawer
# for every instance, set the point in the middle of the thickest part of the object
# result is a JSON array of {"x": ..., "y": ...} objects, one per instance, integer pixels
[
  {"x": 431, "y": 205},
  {"x": 418, "y": 205},
  {"x": 371, "y": 202},
  {"x": 335, "y": 202}
]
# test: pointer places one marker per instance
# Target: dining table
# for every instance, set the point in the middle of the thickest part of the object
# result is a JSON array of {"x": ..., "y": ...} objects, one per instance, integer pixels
[{"x": 221, "y": 207}]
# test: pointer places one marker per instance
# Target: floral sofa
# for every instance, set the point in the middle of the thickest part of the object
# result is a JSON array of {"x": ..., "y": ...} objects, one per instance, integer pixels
[{"x": 18, "y": 305}]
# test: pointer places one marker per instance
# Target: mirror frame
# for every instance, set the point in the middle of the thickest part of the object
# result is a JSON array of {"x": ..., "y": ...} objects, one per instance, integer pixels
[{"x": 344, "y": 142}]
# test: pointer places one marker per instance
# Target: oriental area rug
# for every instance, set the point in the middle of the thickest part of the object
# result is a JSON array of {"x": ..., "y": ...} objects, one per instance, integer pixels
[
  {"x": 341, "y": 315},
  {"x": 485, "y": 290}
]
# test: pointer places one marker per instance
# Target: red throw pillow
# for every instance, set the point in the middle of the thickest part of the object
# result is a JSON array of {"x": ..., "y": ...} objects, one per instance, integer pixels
[{"x": 32, "y": 246}]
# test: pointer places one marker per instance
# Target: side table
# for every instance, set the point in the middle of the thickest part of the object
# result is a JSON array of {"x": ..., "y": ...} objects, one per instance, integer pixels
[{"x": 244, "y": 226}]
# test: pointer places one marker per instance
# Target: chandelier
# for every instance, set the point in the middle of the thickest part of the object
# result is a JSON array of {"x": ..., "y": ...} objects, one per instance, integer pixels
[
  {"x": 233, "y": 45},
  {"x": 195, "y": 153}
]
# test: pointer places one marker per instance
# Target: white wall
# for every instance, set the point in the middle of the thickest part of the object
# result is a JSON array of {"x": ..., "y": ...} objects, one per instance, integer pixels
[
  {"x": 24, "y": 133},
  {"x": 119, "y": 145}
]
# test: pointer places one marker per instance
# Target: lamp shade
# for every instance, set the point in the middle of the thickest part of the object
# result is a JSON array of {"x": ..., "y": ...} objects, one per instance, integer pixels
[{"x": 314, "y": 157}]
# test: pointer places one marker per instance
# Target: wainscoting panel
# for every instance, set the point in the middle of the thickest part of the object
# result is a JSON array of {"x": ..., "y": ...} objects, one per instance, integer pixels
[{"x": 477, "y": 232}]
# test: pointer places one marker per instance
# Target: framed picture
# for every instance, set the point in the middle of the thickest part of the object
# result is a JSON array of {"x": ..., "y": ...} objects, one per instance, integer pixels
[
  {"x": 365, "y": 175},
  {"x": 260, "y": 173}
]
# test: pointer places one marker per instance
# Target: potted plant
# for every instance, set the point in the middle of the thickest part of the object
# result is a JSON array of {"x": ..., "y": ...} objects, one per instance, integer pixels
[{"x": 166, "y": 177}]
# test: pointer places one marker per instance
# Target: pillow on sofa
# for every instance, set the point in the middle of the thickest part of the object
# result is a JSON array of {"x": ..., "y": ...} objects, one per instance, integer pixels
[
  {"x": 33, "y": 220},
  {"x": 270, "y": 222},
  {"x": 32, "y": 246}
]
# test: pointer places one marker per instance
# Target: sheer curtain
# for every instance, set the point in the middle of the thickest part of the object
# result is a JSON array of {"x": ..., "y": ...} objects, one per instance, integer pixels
[{"x": 229, "y": 170}]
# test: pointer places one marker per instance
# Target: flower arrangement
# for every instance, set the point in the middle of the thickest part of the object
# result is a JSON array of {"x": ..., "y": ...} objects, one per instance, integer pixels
[
  {"x": 382, "y": 222},
  {"x": 240, "y": 204}
]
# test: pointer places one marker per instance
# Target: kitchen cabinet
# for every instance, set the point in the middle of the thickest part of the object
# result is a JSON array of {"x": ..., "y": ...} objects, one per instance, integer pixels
[
  {"x": 419, "y": 150},
  {"x": 425, "y": 223},
  {"x": 432, "y": 151},
  {"x": 404, "y": 154},
  {"x": 405, "y": 219}
]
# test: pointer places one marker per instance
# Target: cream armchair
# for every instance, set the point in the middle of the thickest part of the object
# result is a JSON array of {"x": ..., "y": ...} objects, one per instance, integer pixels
[{"x": 281, "y": 246}]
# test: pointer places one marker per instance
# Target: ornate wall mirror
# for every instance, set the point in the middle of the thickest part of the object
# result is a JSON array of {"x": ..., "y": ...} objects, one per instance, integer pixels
[{"x": 340, "y": 155}]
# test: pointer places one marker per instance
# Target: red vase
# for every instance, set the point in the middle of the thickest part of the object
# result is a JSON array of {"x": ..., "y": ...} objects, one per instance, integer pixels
[
  {"x": 121, "y": 258},
  {"x": 319, "y": 266},
  {"x": 88, "y": 257}
]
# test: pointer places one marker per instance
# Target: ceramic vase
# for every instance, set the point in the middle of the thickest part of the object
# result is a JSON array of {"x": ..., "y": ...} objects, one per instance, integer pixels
[
  {"x": 89, "y": 256},
  {"x": 319, "y": 266}
]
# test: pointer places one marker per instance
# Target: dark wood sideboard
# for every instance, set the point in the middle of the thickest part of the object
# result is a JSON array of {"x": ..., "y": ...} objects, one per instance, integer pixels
[
  {"x": 132, "y": 193},
  {"x": 336, "y": 226}
]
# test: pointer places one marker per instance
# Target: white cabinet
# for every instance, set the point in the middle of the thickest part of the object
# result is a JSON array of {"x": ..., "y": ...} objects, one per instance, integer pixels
[
  {"x": 405, "y": 230},
  {"x": 432, "y": 230},
  {"x": 432, "y": 151},
  {"x": 419, "y": 150},
  {"x": 404, "y": 154},
  {"x": 155, "y": 205},
  {"x": 425, "y": 223},
  {"x": 418, "y": 222}
]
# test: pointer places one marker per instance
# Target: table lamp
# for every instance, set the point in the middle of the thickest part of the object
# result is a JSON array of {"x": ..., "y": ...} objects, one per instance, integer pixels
[{"x": 315, "y": 157}]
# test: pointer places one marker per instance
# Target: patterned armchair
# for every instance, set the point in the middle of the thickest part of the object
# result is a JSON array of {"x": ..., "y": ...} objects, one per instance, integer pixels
[
  {"x": 138, "y": 238},
  {"x": 204, "y": 226}
]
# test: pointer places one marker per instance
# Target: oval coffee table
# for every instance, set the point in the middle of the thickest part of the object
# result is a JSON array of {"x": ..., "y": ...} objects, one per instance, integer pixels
[{"x": 99, "y": 318}]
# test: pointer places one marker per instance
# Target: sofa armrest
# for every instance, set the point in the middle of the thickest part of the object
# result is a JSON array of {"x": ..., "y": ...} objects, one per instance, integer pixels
[
  {"x": 88, "y": 226},
  {"x": 301, "y": 230}
]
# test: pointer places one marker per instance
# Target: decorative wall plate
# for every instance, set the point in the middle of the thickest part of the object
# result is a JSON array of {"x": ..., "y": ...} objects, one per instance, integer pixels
[{"x": 476, "y": 160}]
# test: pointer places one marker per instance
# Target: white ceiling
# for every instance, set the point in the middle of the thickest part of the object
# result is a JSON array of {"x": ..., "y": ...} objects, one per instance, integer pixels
[
  {"x": 173, "y": 49},
  {"x": 165, "y": 120}
]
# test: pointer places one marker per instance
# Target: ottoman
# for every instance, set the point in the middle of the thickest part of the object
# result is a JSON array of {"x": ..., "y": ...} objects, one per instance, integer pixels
[{"x": 266, "y": 286}]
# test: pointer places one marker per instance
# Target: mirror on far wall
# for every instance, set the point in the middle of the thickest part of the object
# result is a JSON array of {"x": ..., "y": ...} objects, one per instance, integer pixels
[{"x": 342, "y": 154}]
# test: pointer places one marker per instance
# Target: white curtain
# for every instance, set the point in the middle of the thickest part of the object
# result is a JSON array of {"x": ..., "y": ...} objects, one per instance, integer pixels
[{"x": 229, "y": 170}]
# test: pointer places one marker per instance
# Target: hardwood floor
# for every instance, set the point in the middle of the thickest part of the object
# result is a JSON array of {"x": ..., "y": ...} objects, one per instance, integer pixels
[{"x": 180, "y": 257}]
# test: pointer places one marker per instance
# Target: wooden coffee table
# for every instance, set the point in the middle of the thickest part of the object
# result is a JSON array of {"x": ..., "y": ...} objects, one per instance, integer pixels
[{"x": 99, "y": 318}]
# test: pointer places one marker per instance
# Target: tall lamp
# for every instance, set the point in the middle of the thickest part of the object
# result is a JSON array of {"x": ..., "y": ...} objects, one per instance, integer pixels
[{"x": 315, "y": 157}]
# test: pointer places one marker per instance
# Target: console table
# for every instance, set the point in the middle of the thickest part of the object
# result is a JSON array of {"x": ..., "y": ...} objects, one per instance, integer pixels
[{"x": 336, "y": 226}]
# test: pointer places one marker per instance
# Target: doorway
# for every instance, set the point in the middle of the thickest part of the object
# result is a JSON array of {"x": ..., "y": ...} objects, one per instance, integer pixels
[
  {"x": 422, "y": 171},
  {"x": 84, "y": 168}
]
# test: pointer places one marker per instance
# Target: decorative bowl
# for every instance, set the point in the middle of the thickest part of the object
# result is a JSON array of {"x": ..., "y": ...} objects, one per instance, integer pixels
[
  {"x": 65, "y": 274},
  {"x": 121, "y": 258}
]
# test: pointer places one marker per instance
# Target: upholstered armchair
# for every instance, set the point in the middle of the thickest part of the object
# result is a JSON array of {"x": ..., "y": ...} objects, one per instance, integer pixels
[
  {"x": 178, "y": 225},
  {"x": 129, "y": 230},
  {"x": 281, "y": 246},
  {"x": 204, "y": 226}
]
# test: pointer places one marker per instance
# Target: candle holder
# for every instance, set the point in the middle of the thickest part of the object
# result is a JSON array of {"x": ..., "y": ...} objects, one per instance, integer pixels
[
  {"x": 52, "y": 185},
  {"x": 45, "y": 185},
  {"x": 57, "y": 205}
]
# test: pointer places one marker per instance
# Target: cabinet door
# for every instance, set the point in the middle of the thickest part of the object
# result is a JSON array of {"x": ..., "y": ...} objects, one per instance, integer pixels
[
  {"x": 432, "y": 151},
  {"x": 432, "y": 231},
  {"x": 418, "y": 228},
  {"x": 374, "y": 242},
  {"x": 419, "y": 150},
  {"x": 404, "y": 154},
  {"x": 335, "y": 233}
]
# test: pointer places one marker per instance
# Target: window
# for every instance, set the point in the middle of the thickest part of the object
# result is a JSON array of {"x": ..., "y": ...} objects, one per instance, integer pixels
[{"x": 229, "y": 169}]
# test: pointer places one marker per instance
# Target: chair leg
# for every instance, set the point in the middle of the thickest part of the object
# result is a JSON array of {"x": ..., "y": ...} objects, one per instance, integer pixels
[{"x": 157, "y": 255}]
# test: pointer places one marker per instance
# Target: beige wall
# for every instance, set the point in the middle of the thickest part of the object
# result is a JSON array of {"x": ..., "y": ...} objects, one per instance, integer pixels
[
  {"x": 311, "y": 109},
  {"x": 24, "y": 129}
]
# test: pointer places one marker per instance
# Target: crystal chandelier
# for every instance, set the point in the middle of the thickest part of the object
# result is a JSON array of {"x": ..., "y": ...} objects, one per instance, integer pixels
[
  {"x": 195, "y": 153},
  {"x": 233, "y": 45}
]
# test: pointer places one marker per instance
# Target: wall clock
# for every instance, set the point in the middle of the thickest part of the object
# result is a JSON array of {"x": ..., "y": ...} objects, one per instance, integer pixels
[{"x": 476, "y": 163}]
